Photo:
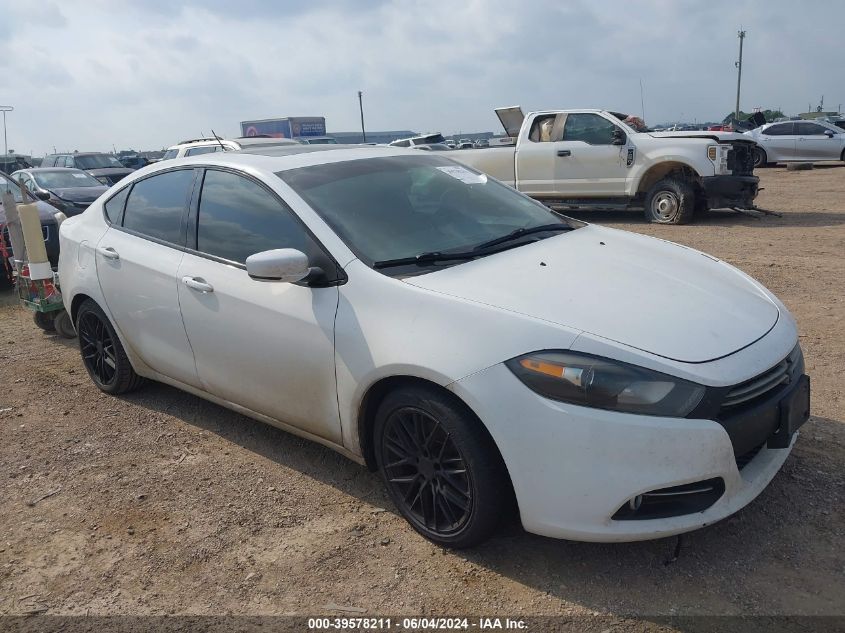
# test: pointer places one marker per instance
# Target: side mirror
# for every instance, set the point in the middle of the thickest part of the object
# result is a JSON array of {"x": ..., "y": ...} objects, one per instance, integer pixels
[
  {"x": 829, "y": 133},
  {"x": 619, "y": 137},
  {"x": 42, "y": 195},
  {"x": 281, "y": 264}
]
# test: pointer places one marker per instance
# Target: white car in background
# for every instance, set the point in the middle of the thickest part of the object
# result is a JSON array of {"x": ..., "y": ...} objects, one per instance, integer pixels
[
  {"x": 802, "y": 141},
  {"x": 448, "y": 331},
  {"x": 197, "y": 146}
]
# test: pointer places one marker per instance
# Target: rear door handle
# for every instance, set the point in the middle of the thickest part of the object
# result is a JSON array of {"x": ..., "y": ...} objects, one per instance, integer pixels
[
  {"x": 195, "y": 283},
  {"x": 108, "y": 252},
  {"x": 564, "y": 152}
]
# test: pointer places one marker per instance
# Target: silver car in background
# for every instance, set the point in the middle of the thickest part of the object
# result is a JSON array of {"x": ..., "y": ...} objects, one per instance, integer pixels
[{"x": 790, "y": 141}]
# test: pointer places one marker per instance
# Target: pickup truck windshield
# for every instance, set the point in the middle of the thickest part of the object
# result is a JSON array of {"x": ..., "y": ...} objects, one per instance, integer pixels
[{"x": 399, "y": 207}]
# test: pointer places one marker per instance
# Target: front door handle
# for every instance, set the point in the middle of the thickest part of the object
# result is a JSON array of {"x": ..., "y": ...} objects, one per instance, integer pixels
[
  {"x": 108, "y": 252},
  {"x": 198, "y": 284},
  {"x": 564, "y": 152}
]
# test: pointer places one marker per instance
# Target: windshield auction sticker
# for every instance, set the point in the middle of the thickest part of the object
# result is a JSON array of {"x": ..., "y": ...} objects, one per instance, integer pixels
[{"x": 464, "y": 175}]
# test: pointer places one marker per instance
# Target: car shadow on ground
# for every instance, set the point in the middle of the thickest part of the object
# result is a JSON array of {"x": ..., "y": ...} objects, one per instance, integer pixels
[{"x": 760, "y": 560}]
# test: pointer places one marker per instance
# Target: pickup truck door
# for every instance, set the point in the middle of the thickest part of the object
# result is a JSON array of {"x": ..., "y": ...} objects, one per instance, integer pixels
[{"x": 587, "y": 162}]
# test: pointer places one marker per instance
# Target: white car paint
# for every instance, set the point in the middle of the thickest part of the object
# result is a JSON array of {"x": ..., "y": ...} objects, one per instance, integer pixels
[{"x": 304, "y": 358}]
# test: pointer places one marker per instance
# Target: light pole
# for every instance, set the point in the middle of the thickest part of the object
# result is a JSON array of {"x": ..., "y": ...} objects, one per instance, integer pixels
[
  {"x": 361, "y": 107},
  {"x": 741, "y": 35},
  {"x": 4, "y": 110}
]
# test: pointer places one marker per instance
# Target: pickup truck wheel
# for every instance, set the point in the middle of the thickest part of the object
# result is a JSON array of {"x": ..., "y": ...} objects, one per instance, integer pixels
[{"x": 670, "y": 201}]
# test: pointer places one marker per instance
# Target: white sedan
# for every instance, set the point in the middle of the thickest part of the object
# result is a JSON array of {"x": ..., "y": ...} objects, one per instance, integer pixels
[
  {"x": 423, "y": 319},
  {"x": 791, "y": 141}
]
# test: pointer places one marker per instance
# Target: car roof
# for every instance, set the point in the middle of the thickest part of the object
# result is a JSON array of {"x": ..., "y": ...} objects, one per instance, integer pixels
[{"x": 284, "y": 157}]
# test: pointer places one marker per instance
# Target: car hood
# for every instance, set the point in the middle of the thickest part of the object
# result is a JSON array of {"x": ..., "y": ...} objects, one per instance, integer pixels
[
  {"x": 645, "y": 293},
  {"x": 721, "y": 137},
  {"x": 79, "y": 194}
]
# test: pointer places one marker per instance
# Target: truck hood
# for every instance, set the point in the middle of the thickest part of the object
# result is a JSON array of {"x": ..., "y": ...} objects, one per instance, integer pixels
[
  {"x": 645, "y": 293},
  {"x": 720, "y": 137}
]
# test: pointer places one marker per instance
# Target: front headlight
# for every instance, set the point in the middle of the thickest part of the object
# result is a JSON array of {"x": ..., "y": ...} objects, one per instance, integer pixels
[{"x": 601, "y": 383}]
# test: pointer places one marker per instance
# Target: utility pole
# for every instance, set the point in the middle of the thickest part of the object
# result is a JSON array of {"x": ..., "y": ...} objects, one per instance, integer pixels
[
  {"x": 4, "y": 110},
  {"x": 361, "y": 108},
  {"x": 739, "y": 74}
]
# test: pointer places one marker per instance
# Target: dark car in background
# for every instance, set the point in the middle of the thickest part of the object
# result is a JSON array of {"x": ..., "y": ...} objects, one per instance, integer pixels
[
  {"x": 104, "y": 167},
  {"x": 13, "y": 162},
  {"x": 69, "y": 190},
  {"x": 49, "y": 224}
]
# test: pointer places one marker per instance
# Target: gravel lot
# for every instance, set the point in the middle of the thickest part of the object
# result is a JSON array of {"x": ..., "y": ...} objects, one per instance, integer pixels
[{"x": 165, "y": 504}]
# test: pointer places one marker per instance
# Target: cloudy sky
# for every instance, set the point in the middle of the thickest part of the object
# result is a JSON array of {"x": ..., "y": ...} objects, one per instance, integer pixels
[{"x": 89, "y": 74}]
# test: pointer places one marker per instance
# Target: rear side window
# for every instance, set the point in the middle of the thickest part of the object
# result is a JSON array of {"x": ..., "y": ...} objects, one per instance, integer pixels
[
  {"x": 810, "y": 129},
  {"x": 156, "y": 205},
  {"x": 114, "y": 207},
  {"x": 238, "y": 218},
  {"x": 206, "y": 149},
  {"x": 784, "y": 129}
]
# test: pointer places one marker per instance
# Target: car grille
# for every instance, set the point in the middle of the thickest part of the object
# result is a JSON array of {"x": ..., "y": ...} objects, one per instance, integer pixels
[
  {"x": 751, "y": 391},
  {"x": 741, "y": 159}
]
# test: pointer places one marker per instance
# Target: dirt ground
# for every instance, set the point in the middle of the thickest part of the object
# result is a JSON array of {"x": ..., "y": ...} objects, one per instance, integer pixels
[{"x": 162, "y": 503}]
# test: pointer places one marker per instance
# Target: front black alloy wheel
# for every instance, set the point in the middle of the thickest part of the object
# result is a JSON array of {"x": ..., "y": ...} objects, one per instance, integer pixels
[
  {"x": 102, "y": 354},
  {"x": 428, "y": 471},
  {"x": 440, "y": 466}
]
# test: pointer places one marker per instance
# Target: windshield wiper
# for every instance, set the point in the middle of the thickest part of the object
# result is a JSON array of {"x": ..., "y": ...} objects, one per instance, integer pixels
[
  {"x": 521, "y": 232},
  {"x": 425, "y": 258}
]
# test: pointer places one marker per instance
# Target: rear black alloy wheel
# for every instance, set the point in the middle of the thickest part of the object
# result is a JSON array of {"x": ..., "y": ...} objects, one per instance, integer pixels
[
  {"x": 97, "y": 347},
  {"x": 426, "y": 469},
  {"x": 440, "y": 466},
  {"x": 102, "y": 354}
]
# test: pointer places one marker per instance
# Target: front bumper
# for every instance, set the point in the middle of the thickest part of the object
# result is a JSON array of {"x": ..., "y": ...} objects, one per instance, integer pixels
[
  {"x": 730, "y": 191},
  {"x": 573, "y": 468}
]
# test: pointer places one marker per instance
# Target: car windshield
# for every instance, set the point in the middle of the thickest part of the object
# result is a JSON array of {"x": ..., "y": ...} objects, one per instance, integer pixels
[
  {"x": 66, "y": 178},
  {"x": 7, "y": 184},
  {"x": 395, "y": 207},
  {"x": 97, "y": 161},
  {"x": 171, "y": 153}
]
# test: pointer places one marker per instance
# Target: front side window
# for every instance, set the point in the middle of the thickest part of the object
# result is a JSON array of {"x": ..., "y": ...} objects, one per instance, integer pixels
[
  {"x": 589, "y": 128},
  {"x": 238, "y": 218},
  {"x": 403, "y": 206},
  {"x": 156, "y": 205},
  {"x": 68, "y": 161},
  {"x": 7, "y": 184},
  {"x": 810, "y": 129}
]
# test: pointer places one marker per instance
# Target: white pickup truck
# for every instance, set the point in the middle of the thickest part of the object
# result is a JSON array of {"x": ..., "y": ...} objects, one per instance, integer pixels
[{"x": 593, "y": 158}]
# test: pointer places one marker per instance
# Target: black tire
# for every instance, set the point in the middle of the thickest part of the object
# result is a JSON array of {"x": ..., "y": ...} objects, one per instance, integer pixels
[
  {"x": 442, "y": 471},
  {"x": 63, "y": 325},
  {"x": 44, "y": 320},
  {"x": 670, "y": 201},
  {"x": 102, "y": 354},
  {"x": 760, "y": 158}
]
